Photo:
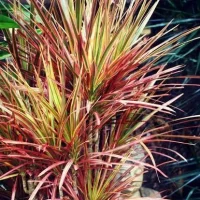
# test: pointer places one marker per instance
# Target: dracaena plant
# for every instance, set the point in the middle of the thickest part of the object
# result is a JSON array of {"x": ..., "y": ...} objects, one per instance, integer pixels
[{"x": 77, "y": 94}]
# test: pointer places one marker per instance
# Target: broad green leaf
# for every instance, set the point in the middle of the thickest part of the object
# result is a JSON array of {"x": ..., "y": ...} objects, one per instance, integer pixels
[
  {"x": 4, "y": 55},
  {"x": 6, "y": 22}
]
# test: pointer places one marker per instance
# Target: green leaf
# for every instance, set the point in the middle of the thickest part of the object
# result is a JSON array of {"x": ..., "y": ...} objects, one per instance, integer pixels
[
  {"x": 3, "y": 44},
  {"x": 6, "y": 22},
  {"x": 4, "y": 55},
  {"x": 5, "y": 7},
  {"x": 172, "y": 4}
]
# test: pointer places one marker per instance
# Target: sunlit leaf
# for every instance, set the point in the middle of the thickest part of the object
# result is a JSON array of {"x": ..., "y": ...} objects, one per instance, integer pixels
[{"x": 6, "y": 22}]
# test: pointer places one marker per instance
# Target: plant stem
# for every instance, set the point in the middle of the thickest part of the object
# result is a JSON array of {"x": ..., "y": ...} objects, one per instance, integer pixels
[
  {"x": 96, "y": 140},
  {"x": 61, "y": 193},
  {"x": 28, "y": 187},
  {"x": 90, "y": 135},
  {"x": 74, "y": 177}
]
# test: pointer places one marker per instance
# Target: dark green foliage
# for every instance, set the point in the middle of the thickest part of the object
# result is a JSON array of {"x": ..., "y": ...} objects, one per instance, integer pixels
[{"x": 6, "y": 22}]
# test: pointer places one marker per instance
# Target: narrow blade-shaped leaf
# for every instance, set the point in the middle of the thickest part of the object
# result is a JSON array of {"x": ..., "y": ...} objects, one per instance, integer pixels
[{"x": 64, "y": 173}]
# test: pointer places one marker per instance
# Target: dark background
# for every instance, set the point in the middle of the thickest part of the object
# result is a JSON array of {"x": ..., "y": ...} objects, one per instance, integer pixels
[{"x": 184, "y": 177}]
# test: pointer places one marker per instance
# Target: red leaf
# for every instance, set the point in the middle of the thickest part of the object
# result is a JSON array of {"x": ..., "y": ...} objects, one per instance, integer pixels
[{"x": 64, "y": 173}]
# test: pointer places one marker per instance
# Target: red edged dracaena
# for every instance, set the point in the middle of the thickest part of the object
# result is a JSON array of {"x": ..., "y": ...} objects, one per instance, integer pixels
[{"x": 80, "y": 86}]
